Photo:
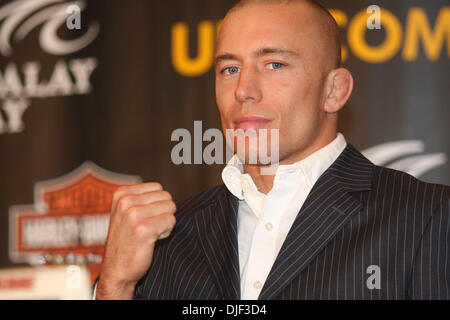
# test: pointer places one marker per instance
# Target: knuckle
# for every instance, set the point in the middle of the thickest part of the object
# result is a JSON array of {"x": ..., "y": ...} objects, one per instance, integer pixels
[
  {"x": 165, "y": 194},
  {"x": 120, "y": 191},
  {"x": 147, "y": 230},
  {"x": 156, "y": 185},
  {"x": 117, "y": 193},
  {"x": 132, "y": 215},
  {"x": 141, "y": 231},
  {"x": 121, "y": 205},
  {"x": 115, "y": 198},
  {"x": 171, "y": 207},
  {"x": 124, "y": 202},
  {"x": 167, "y": 221}
]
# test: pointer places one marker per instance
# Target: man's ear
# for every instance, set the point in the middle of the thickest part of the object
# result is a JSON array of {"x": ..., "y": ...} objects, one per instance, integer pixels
[{"x": 339, "y": 86}]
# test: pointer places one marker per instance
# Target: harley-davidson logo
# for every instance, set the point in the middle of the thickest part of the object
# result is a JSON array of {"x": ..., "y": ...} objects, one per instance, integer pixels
[{"x": 68, "y": 224}]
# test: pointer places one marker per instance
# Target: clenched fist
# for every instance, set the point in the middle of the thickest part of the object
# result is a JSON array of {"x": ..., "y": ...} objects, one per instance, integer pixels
[{"x": 140, "y": 215}]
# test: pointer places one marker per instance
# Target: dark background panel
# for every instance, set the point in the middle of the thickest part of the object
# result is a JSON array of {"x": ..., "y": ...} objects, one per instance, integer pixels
[{"x": 138, "y": 99}]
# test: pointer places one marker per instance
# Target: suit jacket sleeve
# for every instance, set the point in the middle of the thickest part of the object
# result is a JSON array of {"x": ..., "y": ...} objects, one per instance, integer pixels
[{"x": 430, "y": 276}]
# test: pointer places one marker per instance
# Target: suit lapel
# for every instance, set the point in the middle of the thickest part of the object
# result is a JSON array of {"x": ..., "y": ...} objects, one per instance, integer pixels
[
  {"x": 327, "y": 209},
  {"x": 216, "y": 226}
]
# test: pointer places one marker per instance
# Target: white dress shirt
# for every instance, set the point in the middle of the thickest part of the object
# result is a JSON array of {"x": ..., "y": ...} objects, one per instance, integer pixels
[{"x": 264, "y": 220}]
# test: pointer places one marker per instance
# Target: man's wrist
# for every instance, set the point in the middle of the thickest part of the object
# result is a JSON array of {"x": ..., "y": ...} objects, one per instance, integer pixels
[{"x": 114, "y": 290}]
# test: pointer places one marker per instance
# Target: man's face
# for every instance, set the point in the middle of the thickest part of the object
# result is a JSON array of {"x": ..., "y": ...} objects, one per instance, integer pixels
[{"x": 270, "y": 74}]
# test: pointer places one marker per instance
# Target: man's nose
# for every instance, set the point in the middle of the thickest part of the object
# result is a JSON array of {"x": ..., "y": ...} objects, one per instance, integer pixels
[{"x": 248, "y": 88}]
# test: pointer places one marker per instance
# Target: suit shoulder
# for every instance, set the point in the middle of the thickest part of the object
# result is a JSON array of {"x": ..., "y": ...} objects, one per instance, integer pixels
[
  {"x": 199, "y": 201},
  {"x": 405, "y": 186}
]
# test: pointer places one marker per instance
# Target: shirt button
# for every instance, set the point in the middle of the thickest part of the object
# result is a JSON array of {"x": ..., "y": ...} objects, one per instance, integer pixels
[
  {"x": 269, "y": 226},
  {"x": 257, "y": 285}
]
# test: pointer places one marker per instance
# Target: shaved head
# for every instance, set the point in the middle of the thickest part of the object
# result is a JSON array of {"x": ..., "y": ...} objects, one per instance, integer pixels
[{"x": 329, "y": 31}]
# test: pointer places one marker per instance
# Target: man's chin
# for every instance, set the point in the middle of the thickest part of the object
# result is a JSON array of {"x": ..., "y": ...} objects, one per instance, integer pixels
[{"x": 257, "y": 159}]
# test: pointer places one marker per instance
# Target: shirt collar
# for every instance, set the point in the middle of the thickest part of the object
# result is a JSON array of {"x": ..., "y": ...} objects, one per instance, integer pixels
[{"x": 238, "y": 182}]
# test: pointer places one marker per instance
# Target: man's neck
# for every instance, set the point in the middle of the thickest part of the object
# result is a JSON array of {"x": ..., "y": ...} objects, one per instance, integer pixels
[{"x": 264, "y": 183}]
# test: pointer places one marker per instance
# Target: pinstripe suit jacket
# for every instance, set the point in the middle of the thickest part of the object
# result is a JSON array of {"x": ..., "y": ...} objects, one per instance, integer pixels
[{"x": 357, "y": 215}]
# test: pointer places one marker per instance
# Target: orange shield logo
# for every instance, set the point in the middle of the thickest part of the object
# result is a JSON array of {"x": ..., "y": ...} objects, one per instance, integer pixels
[{"x": 68, "y": 223}]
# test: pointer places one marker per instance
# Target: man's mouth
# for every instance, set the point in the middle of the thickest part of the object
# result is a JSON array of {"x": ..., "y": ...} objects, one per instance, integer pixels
[{"x": 250, "y": 122}]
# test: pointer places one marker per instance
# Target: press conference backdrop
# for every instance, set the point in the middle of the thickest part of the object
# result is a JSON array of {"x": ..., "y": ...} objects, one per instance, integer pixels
[{"x": 83, "y": 111}]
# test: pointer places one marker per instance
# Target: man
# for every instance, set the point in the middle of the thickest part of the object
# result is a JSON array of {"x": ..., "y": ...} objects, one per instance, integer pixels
[{"x": 327, "y": 225}]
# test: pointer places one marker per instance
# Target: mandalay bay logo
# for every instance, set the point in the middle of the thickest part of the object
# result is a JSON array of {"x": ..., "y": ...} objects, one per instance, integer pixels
[{"x": 19, "y": 83}]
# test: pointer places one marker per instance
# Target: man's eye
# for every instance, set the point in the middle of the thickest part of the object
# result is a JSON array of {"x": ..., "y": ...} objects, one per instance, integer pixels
[
  {"x": 230, "y": 70},
  {"x": 275, "y": 65}
]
